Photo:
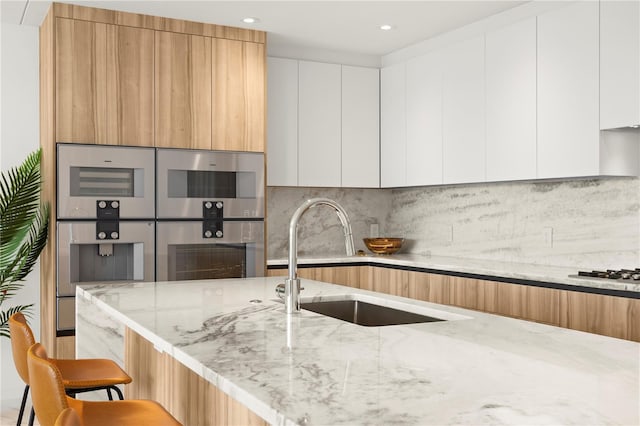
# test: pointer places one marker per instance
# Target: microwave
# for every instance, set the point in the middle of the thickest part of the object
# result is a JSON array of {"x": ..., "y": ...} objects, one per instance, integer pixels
[
  {"x": 194, "y": 184},
  {"x": 95, "y": 179}
]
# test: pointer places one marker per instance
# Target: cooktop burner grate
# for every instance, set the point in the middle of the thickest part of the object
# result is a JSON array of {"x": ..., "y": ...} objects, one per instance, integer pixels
[{"x": 612, "y": 274}]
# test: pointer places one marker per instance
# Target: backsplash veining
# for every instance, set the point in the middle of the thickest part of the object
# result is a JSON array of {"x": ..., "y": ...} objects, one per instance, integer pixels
[
  {"x": 319, "y": 229},
  {"x": 589, "y": 223}
]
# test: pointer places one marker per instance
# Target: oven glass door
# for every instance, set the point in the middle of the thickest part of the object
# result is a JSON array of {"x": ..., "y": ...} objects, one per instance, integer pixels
[
  {"x": 89, "y": 173},
  {"x": 189, "y": 178},
  {"x": 183, "y": 253}
]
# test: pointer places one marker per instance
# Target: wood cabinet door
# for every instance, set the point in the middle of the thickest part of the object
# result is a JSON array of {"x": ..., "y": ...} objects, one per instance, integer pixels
[
  {"x": 80, "y": 81},
  {"x": 239, "y": 95},
  {"x": 129, "y": 86},
  {"x": 182, "y": 90}
]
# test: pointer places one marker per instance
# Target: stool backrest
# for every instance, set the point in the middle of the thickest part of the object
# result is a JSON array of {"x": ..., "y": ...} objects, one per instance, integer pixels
[
  {"x": 47, "y": 391},
  {"x": 21, "y": 340},
  {"x": 68, "y": 417}
]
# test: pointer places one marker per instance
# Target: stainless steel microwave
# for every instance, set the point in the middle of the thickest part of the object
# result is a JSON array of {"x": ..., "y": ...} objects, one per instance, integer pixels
[
  {"x": 190, "y": 181},
  {"x": 92, "y": 175}
]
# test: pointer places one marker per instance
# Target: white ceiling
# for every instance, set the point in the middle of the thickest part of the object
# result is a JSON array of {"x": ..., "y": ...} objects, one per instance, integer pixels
[{"x": 344, "y": 26}]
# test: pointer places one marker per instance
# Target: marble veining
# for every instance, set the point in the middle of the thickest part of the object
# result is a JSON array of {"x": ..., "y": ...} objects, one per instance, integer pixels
[
  {"x": 580, "y": 223},
  {"x": 308, "y": 368}
]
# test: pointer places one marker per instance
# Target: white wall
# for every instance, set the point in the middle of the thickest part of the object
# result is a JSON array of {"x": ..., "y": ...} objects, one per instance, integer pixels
[{"x": 19, "y": 135}]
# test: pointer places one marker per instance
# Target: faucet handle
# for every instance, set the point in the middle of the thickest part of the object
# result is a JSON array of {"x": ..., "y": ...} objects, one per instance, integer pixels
[{"x": 280, "y": 291}]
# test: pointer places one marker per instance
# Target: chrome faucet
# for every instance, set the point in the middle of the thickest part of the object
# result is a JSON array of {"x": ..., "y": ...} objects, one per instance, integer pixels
[{"x": 292, "y": 284}]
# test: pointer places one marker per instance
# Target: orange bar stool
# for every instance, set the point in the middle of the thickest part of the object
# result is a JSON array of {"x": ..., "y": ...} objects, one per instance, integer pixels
[
  {"x": 50, "y": 400},
  {"x": 78, "y": 375},
  {"x": 68, "y": 417}
]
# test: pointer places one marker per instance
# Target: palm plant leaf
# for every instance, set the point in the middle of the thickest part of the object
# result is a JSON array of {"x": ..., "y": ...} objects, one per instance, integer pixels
[{"x": 4, "y": 317}]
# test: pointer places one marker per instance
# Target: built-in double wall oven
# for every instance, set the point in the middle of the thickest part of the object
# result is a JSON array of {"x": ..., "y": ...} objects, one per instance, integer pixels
[{"x": 144, "y": 214}]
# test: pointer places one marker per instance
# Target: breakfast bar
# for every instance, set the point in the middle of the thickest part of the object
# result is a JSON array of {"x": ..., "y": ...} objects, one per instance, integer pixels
[{"x": 308, "y": 368}]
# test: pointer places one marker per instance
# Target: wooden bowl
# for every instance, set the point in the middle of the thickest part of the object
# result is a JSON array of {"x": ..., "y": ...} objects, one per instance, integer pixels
[{"x": 383, "y": 245}]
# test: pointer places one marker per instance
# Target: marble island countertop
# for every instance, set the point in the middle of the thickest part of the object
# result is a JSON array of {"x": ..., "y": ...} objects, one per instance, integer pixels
[
  {"x": 488, "y": 268},
  {"x": 472, "y": 369}
]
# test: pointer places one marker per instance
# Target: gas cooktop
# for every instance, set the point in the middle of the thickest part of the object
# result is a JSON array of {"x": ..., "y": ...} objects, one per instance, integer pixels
[{"x": 611, "y": 274}]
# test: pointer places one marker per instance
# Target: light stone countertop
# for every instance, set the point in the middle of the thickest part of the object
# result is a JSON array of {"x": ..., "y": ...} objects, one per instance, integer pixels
[
  {"x": 472, "y": 369},
  {"x": 490, "y": 268}
]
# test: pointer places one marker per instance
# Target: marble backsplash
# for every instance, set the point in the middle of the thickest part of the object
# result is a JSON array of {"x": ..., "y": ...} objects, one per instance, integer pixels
[
  {"x": 587, "y": 223},
  {"x": 319, "y": 229}
]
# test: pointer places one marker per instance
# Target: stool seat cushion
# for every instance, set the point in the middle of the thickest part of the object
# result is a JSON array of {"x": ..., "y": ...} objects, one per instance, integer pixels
[
  {"x": 128, "y": 412},
  {"x": 90, "y": 373}
]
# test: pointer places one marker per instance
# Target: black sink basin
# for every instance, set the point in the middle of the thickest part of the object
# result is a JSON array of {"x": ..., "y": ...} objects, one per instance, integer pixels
[{"x": 366, "y": 314}]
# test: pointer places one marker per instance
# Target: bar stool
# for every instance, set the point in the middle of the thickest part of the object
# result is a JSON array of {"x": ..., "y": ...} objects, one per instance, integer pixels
[
  {"x": 79, "y": 375},
  {"x": 49, "y": 400},
  {"x": 68, "y": 417}
]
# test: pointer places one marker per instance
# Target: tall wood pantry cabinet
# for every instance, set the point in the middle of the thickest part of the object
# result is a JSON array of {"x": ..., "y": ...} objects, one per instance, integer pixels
[{"x": 117, "y": 78}]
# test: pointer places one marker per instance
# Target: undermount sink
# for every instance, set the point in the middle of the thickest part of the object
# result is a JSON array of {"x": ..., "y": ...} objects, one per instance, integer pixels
[{"x": 369, "y": 314}]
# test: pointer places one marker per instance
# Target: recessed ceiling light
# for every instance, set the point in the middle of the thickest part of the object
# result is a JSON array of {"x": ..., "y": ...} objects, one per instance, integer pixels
[
  {"x": 250, "y": 20},
  {"x": 386, "y": 27}
]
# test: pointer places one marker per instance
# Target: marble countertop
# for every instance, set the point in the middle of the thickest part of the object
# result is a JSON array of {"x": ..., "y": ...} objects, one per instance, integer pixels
[
  {"x": 472, "y": 369},
  {"x": 491, "y": 268}
]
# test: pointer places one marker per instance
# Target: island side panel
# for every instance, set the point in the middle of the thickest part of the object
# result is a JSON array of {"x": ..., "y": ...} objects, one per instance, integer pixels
[
  {"x": 98, "y": 335},
  {"x": 188, "y": 397}
]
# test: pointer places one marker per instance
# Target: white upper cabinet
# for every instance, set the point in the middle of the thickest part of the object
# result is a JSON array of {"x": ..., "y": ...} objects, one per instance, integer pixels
[
  {"x": 319, "y": 124},
  {"x": 424, "y": 119},
  {"x": 282, "y": 122},
  {"x": 360, "y": 127},
  {"x": 511, "y": 101},
  {"x": 568, "y": 130},
  {"x": 619, "y": 64},
  {"x": 463, "y": 112},
  {"x": 393, "y": 136}
]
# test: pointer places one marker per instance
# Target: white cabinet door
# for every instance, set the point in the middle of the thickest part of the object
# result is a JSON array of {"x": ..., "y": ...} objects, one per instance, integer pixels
[
  {"x": 463, "y": 113},
  {"x": 282, "y": 122},
  {"x": 424, "y": 119},
  {"x": 511, "y": 101},
  {"x": 619, "y": 63},
  {"x": 393, "y": 142},
  {"x": 568, "y": 131},
  {"x": 319, "y": 130},
  {"x": 360, "y": 127}
]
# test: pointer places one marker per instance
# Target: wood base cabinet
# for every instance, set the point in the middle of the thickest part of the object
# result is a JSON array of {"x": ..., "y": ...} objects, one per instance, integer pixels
[
  {"x": 187, "y": 396},
  {"x": 594, "y": 313}
]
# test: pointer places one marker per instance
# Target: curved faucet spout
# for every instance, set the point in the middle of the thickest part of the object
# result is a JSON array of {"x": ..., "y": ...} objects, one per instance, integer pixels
[{"x": 292, "y": 284}]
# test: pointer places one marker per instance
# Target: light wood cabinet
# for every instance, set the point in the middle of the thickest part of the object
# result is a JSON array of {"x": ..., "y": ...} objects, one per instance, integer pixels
[
  {"x": 568, "y": 130},
  {"x": 393, "y": 130},
  {"x": 104, "y": 83},
  {"x": 238, "y": 95},
  {"x": 511, "y": 101},
  {"x": 619, "y": 64},
  {"x": 80, "y": 89},
  {"x": 183, "y": 90},
  {"x": 282, "y": 112},
  {"x": 129, "y": 88},
  {"x": 594, "y": 313}
]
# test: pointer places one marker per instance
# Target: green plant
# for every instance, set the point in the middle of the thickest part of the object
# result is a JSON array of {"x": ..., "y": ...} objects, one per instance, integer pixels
[{"x": 24, "y": 225}]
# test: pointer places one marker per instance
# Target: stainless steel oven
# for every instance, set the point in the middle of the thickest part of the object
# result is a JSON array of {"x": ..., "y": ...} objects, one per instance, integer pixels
[
  {"x": 188, "y": 181},
  {"x": 191, "y": 250},
  {"x": 90, "y": 174},
  {"x": 86, "y": 254}
]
